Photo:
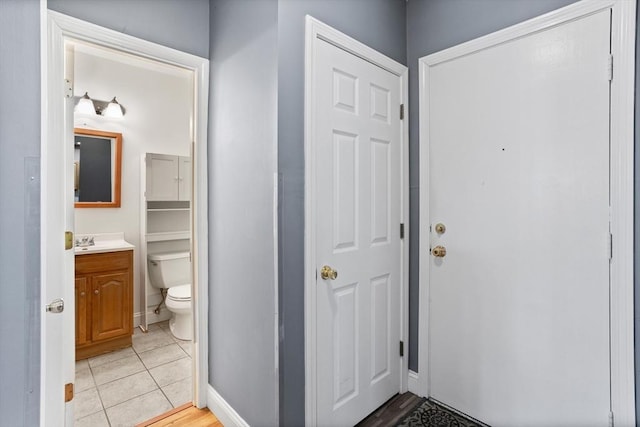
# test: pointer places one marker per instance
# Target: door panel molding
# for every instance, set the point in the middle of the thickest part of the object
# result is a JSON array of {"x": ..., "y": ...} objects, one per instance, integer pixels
[
  {"x": 621, "y": 190},
  {"x": 315, "y": 32}
]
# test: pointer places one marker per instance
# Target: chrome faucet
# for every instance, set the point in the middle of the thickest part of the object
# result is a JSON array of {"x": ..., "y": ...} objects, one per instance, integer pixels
[{"x": 85, "y": 241}]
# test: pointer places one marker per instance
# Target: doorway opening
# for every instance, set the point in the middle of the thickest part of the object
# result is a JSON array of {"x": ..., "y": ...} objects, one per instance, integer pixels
[
  {"x": 356, "y": 211},
  {"x": 154, "y": 374},
  {"x": 509, "y": 294},
  {"x": 165, "y": 112}
]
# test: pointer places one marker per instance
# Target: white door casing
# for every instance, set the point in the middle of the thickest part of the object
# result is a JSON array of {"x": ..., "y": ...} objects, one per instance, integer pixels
[
  {"x": 530, "y": 160},
  {"x": 356, "y": 157},
  {"x": 57, "y": 125}
]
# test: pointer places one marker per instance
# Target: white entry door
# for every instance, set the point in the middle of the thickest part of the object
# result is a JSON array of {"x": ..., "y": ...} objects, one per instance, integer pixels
[
  {"x": 358, "y": 176},
  {"x": 519, "y": 176}
]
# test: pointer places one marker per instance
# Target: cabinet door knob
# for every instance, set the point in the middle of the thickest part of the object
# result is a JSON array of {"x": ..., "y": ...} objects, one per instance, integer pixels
[
  {"x": 96, "y": 292},
  {"x": 82, "y": 294}
]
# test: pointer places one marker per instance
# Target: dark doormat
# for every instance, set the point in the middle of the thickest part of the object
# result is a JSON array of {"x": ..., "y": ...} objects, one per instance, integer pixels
[{"x": 430, "y": 414}]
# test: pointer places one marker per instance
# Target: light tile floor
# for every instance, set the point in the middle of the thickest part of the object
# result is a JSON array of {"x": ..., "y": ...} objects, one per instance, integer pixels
[{"x": 126, "y": 387}]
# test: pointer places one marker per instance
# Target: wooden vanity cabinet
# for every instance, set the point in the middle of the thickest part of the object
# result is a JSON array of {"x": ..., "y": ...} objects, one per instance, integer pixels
[{"x": 104, "y": 302}]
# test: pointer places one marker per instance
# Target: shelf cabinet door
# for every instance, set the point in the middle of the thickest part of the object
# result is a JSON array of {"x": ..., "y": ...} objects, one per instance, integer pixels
[
  {"x": 82, "y": 321},
  {"x": 184, "y": 190},
  {"x": 163, "y": 177},
  {"x": 111, "y": 305}
]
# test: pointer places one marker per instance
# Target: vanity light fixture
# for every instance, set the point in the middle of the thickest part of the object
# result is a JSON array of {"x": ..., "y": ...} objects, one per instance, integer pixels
[
  {"x": 114, "y": 109},
  {"x": 85, "y": 106},
  {"x": 92, "y": 107}
]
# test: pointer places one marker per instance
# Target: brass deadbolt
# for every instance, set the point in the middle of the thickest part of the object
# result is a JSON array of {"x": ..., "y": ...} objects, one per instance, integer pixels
[
  {"x": 440, "y": 228},
  {"x": 439, "y": 251},
  {"x": 328, "y": 273}
]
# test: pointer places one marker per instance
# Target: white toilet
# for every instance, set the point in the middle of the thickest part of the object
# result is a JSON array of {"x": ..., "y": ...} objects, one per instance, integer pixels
[{"x": 172, "y": 271}]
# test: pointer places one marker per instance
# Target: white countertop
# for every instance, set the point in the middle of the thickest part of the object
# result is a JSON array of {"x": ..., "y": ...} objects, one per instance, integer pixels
[{"x": 105, "y": 242}]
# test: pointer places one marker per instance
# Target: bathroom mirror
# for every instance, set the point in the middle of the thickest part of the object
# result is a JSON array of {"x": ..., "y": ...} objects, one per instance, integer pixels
[{"x": 98, "y": 159}]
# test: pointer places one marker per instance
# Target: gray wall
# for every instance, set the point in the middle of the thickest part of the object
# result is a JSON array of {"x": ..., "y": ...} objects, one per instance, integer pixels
[
  {"x": 242, "y": 167},
  {"x": 434, "y": 25},
  {"x": 379, "y": 24},
  {"x": 180, "y": 24},
  {"x": 20, "y": 166},
  {"x": 20, "y": 212}
]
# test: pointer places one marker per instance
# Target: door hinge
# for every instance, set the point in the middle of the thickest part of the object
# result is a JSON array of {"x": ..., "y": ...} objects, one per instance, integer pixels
[
  {"x": 68, "y": 392},
  {"x": 401, "y": 348},
  {"x": 610, "y": 419},
  {"x": 401, "y": 111},
  {"x": 610, "y": 67},
  {"x": 610, "y": 246},
  {"x": 68, "y": 240},
  {"x": 402, "y": 231},
  {"x": 68, "y": 88}
]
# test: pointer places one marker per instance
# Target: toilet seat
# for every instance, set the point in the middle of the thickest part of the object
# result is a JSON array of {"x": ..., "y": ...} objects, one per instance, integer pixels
[{"x": 179, "y": 293}]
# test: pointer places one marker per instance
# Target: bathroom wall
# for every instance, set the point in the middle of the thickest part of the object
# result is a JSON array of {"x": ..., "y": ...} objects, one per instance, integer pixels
[{"x": 158, "y": 100}]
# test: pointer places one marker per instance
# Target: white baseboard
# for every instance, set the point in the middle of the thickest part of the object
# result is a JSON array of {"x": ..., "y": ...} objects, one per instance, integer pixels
[
  {"x": 412, "y": 384},
  {"x": 151, "y": 317},
  {"x": 222, "y": 410},
  {"x": 155, "y": 318}
]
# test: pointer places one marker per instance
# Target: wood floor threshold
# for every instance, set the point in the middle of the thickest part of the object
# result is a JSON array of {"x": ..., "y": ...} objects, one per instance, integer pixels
[
  {"x": 185, "y": 415},
  {"x": 393, "y": 411}
]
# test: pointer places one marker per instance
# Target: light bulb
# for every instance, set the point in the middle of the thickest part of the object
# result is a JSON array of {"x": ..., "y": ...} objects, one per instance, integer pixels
[
  {"x": 113, "y": 110},
  {"x": 85, "y": 106}
]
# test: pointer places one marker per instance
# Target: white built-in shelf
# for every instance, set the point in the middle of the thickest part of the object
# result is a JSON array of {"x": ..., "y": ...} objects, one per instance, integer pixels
[
  {"x": 167, "y": 236},
  {"x": 167, "y": 209}
]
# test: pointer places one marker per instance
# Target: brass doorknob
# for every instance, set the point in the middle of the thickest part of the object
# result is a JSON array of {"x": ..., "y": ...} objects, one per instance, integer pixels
[
  {"x": 328, "y": 273},
  {"x": 439, "y": 251}
]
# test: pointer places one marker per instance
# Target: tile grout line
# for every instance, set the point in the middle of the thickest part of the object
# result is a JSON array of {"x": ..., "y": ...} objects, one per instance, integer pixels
[
  {"x": 95, "y": 385},
  {"x": 146, "y": 369},
  {"x": 166, "y": 397},
  {"x": 104, "y": 409}
]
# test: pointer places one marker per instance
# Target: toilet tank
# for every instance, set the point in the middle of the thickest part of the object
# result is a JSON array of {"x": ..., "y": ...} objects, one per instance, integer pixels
[{"x": 169, "y": 269}]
